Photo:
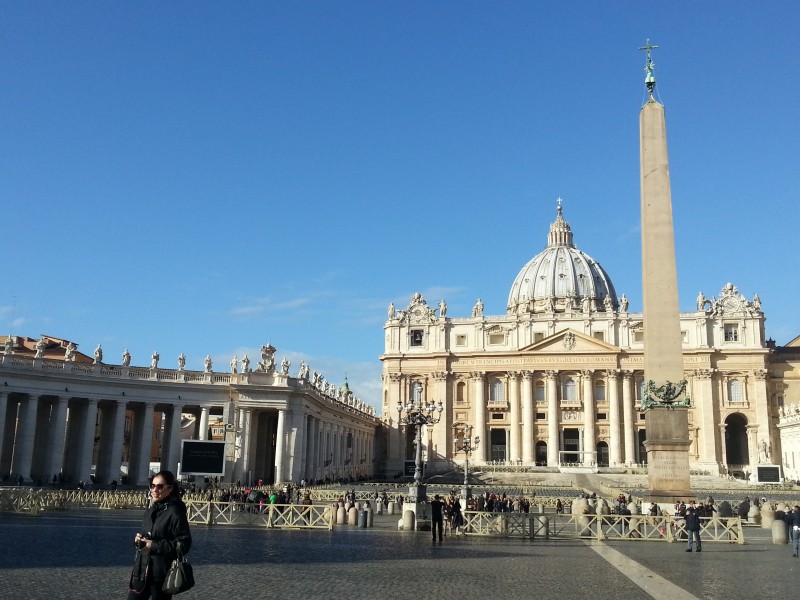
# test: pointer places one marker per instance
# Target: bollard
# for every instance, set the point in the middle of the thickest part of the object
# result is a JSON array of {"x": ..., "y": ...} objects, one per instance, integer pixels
[
  {"x": 379, "y": 507},
  {"x": 362, "y": 518},
  {"x": 754, "y": 516},
  {"x": 767, "y": 516},
  {"x": 352, "y": 516},
  {"x": 390, "y": 508},
  {"x": 408, "y": 520},
  {"x": 779, "y": 532},
  {"x": 370, "y": 515},
  {"x": 341, "y": 515}
]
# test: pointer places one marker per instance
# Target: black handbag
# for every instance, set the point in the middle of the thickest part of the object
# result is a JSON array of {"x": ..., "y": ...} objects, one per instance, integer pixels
[{"x": 180, "y": 576}]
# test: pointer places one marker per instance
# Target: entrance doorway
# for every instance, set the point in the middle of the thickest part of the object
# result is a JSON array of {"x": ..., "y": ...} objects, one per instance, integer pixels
[
  {"x": 602, "y": 454},
  {"x": 541, "y": 454},
  {"x": 571, "y": 446},
  {"x": 737, "y": 451},
  {"x": 498, "y": 444}
]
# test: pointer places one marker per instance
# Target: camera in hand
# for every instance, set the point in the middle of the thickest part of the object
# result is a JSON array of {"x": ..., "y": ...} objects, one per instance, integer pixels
[{"x": 141, "y": 542}]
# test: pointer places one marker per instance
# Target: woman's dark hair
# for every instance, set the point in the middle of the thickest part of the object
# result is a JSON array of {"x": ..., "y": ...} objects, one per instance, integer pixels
[{"x": 169, "y": 479}]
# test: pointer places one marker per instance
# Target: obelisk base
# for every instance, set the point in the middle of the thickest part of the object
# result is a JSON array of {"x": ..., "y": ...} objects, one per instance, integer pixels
[{"x": 668, "y": 455}]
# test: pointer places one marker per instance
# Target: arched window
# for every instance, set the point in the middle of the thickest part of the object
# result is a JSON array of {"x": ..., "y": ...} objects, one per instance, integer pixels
[
  {"x": 570, "y": 390},
  {"x": 461, "y": 392},
  {"x": 538, "y": 392},
  {"x": 735, "y": 391},
  {"x": 496, "y": 391},
  {"x": 600, "y": 391}
]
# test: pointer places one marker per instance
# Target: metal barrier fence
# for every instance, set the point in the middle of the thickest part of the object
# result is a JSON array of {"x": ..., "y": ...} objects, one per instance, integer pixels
[
  {"x": 284, "y": 516},
  {"x": 600, "y": 527}
]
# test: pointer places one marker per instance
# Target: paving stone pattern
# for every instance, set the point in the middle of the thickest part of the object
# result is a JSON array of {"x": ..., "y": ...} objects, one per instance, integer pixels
[{"x": 89, "y": 553}]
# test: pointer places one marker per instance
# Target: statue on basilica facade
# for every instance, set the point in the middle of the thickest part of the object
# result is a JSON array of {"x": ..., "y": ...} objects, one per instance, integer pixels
[
  {"x": 8, "y": 350},
  {"x": 126, "y": 358},
  {"x": 442, "y": 308},
  {"x": 69, "y": 355},
  {"x": 181, "y": 362},
  {"x": 40, "y": 348},
  {"x": 98, "y": 355},
  {"x": 234, "y": 365},
  {"x": 702, "y": 301},
  {"x": 246, "y": 364},
  {"x": 623, "y": 303},
  {"x": 154, "y": 360},
  {"x": 477, "y": 310},
  {"x": 586, "y": 304},
  {"x": 208, "y": 363},
  {"x": 608, "y": 305},
  {"x": 763, "y": 453},
  {"x": 285, "y": 364},
  {"x": 391, "y": 311}
]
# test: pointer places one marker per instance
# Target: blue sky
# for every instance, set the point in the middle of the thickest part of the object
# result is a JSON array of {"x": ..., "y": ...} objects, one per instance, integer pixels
[{"x": 208, "y": 177}]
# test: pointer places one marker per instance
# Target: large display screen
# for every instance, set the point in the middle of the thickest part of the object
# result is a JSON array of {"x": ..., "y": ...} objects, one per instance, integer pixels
[{"x": 200, "y": 457}]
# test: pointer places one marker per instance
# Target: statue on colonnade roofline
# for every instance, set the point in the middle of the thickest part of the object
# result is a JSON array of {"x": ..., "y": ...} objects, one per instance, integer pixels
[
  {"x": 315, "y": 380},
  {"x": 285, "y": 364},
  {"x": 234, "y": 365},
  {"x": 40, "y": 346},
  {"x": 208, "y": 364},
  {"x": 126, "y": 358},
  {"x": 391, "y": 311},
  {"x": 442, "y": 308},
  {"x": 246, "y": 364},
  {"x": 98, "y": 355},
  {"x": 181, "y": 362},
  {"x": 303, "y": 374},
  {"x": 9, "y": 347},
  {"x": 623, "y": 303},
  {"x": 69, "y": 354},
  {"x": 154, "y": 360},
  {"x": 267, "y": 362}
]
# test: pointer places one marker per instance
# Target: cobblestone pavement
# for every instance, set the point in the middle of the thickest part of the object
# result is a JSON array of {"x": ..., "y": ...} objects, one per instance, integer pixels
[{"x": 89, "y": 553}]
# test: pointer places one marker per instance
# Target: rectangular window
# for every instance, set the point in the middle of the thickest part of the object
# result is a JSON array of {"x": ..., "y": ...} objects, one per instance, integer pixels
[
  {"x": 731, "y": 332},
  {"x": 416, "y": 337},
  {"x": 538, "y": 336},
  {"x": 641, "y": 416},
  {"x": 685, "y": 337},
  {"x": 601, "y": 416},
  {"x": 599, "y": 335},
  {"x": 461, "y": 340},
  {"x": 498, "y": 416},
  {"x": 638, "y": 336},
  {"x": 540, "y": 416},
  {"x": 497, "y": 339}
]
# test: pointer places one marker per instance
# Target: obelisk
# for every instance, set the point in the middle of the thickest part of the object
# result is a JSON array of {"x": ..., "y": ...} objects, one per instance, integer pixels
[{"x": 664, "y": 398}]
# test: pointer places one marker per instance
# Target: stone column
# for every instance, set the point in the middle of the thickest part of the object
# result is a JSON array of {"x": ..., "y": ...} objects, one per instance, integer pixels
[
  {"x": 589, "y": 440},
  {"x": 142, "y": 477},
  {"x": 615, "y": 429},
  {"x": 703, "y": 402},
  {"x": 479, "y": 403},
  {"x": 117, "y": 440},
  {"x": 723, "y": 449},
  {"x": 171, "y": 450},
  {"x": 761, "y": 403},
  {"x": 513, "y": 430},
  {"x": 26, "y": 430},
  {"x": 280, "y": 446},
  {"x": 247, "y": 443},
  {"x": 553, "y": 424},
  {"x": 527, "y": 418},
  {"x": 628, "y": 417},
  {"x": 87, "y": 440},
  {"x": 203, "y": 433},
  {"x": 56, "y": 435},
  {"x": 441, "y": 451}
]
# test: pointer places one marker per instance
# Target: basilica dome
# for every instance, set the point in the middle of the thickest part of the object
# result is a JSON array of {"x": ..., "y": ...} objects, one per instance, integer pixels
[{"x": 562, "y": 279}]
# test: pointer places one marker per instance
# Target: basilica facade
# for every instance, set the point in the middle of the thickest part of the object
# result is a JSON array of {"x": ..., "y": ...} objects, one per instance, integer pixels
[{"x": 558, "y": 379}]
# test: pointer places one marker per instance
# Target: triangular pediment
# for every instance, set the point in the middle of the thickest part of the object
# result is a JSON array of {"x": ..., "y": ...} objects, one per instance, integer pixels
[{"x": 570, "y": 342}]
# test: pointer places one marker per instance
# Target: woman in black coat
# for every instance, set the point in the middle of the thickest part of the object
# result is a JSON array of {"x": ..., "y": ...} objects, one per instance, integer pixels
[{"x": 164, "y": 527}]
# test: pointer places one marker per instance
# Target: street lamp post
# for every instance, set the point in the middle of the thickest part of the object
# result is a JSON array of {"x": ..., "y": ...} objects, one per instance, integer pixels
[
  {"x": 468, "y": 444},
  {"x": 418, "y": 414}
]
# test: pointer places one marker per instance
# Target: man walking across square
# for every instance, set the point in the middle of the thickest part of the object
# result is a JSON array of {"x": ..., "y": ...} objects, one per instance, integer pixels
[{"x": 437, "y": 520}]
